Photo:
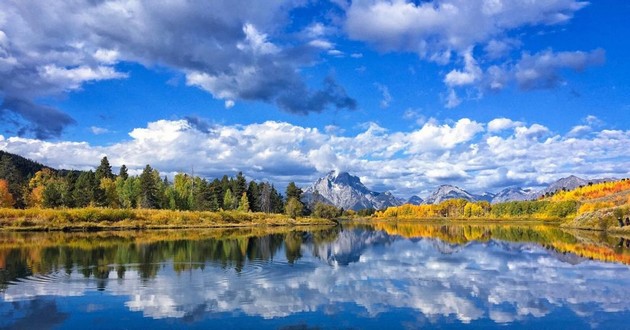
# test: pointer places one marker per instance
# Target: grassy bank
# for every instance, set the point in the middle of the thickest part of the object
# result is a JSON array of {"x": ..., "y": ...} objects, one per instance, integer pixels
[{"x": 103, "y": 219}]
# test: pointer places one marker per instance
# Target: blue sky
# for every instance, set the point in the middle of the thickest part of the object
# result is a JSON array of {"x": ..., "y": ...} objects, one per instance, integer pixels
[{"x": 407, "y": 95}]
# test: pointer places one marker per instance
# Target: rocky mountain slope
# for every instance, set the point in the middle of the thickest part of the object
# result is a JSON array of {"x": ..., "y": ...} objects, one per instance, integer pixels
[
  {"x": 346, "y": 191},
  {"x": 513, "y": 194}
]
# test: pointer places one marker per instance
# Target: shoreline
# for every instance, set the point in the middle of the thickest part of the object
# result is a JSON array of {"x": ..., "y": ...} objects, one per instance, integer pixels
[{"x": 102, "y": 219}]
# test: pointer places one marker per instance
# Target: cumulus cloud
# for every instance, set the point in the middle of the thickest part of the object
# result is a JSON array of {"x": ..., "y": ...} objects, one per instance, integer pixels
[
  {"x": 500, "y": 124},
  {"x": 434, "y": 29},
  {"x": 226, "y": 49},
  {"x": 475, "y": 155},
  {"x": 440, "y": 31}
]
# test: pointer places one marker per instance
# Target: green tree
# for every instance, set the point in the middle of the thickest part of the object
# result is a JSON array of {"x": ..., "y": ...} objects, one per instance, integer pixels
[
  {"x": 229, "y": 200},
  {"x": 53, "y": 194},
  {"x": 124, "y": 172},
  {"x": 149, "y": 194},
  {"x": 253, "y": 195},
  {"x": 294, "y": 208},
  {"x": 243, "y": 205},
  {"x": 293, "y": 191},
  {"x": 239, "y": 185},
  {"x": 83, "y": 191},
  {"x": 104, "y": 170},
  {"x": 15, "y": 180},
  {"x": 277, "y": 202},
  {"x": 322, "y": 210}
]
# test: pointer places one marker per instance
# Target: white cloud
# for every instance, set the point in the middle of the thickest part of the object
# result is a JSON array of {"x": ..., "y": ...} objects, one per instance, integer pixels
[
  {"x": 474, "y": 155},
  {"x": 500, "y": 124},
  {"x": 435, "y": 28},
  {"x": 449, "y": 31},
  {"x": 579, "y": 130},
  {"x": 470, "y": 75}
]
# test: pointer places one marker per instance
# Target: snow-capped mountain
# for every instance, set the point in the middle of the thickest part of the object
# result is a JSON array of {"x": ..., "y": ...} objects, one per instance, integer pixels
[
  {"x": 414, "y": 200},
  {"x": 346, "y": 191},
  {"x": 513, "y": 194},
  {"x": 445, "y": 192}
]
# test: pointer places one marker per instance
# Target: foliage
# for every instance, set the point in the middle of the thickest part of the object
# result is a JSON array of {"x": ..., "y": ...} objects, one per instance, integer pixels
[
  {"x": 326, "y": 211},
  {"x": 243, "y": 205},
  {"x": 6, "y": 198},
  {"x": 107, "y": 218},
  {"x": 460, "y": 208},
  {"x": 294, "y": 207},
  {"x": 593, "y": 191}
]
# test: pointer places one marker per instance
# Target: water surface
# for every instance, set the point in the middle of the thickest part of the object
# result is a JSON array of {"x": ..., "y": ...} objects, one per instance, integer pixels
[{"x": 379, "y": 276}]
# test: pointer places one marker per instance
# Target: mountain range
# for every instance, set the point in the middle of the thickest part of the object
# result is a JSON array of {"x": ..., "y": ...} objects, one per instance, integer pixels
[{"x": 348, "y": 192}]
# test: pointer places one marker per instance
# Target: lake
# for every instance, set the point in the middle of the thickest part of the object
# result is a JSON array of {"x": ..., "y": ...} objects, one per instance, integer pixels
[{"x": 384, "y": 275}]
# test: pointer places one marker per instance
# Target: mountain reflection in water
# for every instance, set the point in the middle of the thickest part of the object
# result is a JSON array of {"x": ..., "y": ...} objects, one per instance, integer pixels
[{"x": 387, "y": 274}]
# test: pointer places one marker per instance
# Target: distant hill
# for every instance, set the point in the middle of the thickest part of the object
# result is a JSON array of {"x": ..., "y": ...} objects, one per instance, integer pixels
[{"x": 25, "y": 167}]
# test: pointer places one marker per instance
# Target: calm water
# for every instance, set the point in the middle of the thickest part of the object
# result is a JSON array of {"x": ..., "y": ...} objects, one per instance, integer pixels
[{"x": 383, "y": 276}]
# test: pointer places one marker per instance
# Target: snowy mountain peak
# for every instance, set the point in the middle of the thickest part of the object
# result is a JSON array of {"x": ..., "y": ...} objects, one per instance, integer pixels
[
  {"x": 513, "y": 194},
  {"x": 346, "y": 191}
]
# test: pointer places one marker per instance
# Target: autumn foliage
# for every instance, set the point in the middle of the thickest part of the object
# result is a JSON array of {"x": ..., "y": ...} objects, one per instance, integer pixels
[{"x": 6, "y": 199}]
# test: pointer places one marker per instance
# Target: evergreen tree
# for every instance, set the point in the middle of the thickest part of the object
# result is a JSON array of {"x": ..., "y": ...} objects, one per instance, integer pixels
[
  {"x": 83, "y": 191},
  {"x": 239, "y": 185},
  {"x": 217, "y": 194},
  {"x": 277, "y": 203},
  {"x": 293, "y": 191},
  {"x": 53, "y": 194},
  {"x": 123, "y": 172},
  {"x": 104, "y": 170},
  {"x": 253, "y": 196},
  {"x": 14, "y": 179},
  {"x": 149, "y": 194}
]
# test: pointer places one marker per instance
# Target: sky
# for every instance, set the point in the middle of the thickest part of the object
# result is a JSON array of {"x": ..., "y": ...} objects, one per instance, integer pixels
[{"x": 407, "y": 95}]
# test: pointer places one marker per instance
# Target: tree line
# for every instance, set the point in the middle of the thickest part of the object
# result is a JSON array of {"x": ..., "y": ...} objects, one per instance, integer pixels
[{"x": 49, "y": 188}]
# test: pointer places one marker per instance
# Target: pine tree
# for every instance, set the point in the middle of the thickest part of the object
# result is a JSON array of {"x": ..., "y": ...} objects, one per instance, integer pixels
[
  {"x": 293, "y": 191},
  {"x": 253, "y": 195},
  {"x": 123, "y": 172},
  {"x": 148, "y": 189},
  {"x": 104, "y": 170}
]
